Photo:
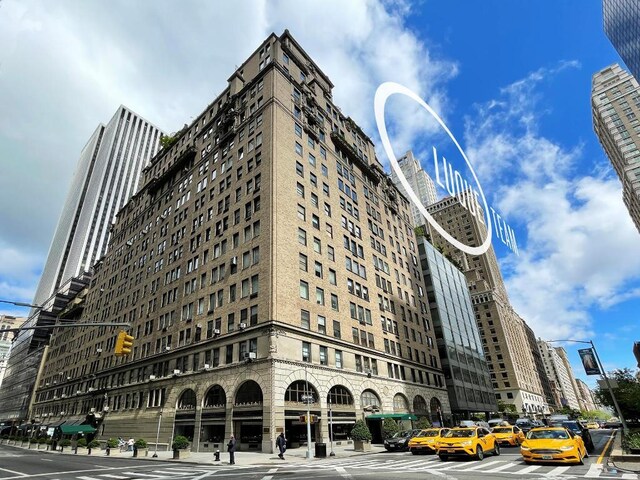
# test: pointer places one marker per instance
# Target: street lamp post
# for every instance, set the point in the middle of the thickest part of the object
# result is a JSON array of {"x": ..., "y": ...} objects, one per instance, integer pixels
[
  {"x": 331, "y": 454},
  {"x": 155, "y": 454},
  {"x": 606, "y": 381},
  {"x": 308, "y": 417}
]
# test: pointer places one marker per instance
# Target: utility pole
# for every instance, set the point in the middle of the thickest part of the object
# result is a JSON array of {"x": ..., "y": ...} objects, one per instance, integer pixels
[{"x": 308, "y": 417}]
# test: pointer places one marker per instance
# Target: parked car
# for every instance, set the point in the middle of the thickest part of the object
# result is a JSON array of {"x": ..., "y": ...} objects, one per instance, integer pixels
[
  {"x": 494, "y": 422},
  {"x": 400, "y": 441},
  {"x": 553, "y": 444},
  {"x": 427, "y": 440},
  {"x": 509, "y": 435},
  {"x": 468, "y": 442}
]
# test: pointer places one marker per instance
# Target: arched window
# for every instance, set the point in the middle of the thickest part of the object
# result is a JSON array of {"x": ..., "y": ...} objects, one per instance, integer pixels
[
  {"x": 434, "y": 405},
  {"x": 215, "y": 397},
  {"x": 369, "y": 398},
  {"x": 400, "y": 403},
  {"x": 419, "y": 404},
  {"x": 249, "y": 393},
  {"x": 187, "y": 400},
  {"x": 297, "y": 391},
  {"x": 339, "y": 395}
]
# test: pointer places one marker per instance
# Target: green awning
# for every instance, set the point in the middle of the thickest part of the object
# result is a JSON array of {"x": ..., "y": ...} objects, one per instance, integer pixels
[
  {"x": 395, "y": 416},
  {"x": 71, "y": 429}
]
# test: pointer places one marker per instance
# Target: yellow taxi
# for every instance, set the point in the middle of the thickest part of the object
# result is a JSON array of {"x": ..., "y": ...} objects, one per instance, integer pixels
[
  {"x": 467, "y": 442},
  {"x": 508, "y": 435},
  {"x": 553, "y": 444},
  {"x": 427, "y": 440},
  {"x": 592, "y": 425}
]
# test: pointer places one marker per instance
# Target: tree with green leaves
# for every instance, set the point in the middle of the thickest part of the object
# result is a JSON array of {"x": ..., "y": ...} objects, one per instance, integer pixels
[
  {"x": 627, "y": 393},
  {"x": 389, "y": 427},
  {"x": 423, "y": 423},
  {"x": 360, "y": 432}
]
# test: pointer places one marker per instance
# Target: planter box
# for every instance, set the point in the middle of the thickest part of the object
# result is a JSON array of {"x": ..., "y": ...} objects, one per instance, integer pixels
[
  {"x": 33, "y": 446},
  {"x": 42, "y": 446},
  {"x": 181, "y": 454},
  {"x": 81, "y": 450},
  {"x": 140, "y": 452},
  {"x": 634, "y": 451},
  {"x": 361, "y": 446}
]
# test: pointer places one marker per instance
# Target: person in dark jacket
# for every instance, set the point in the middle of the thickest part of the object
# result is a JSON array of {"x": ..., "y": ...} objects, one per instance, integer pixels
[
  {"x": 231, "y": 448},
  {"x": 281, "y": 443}
]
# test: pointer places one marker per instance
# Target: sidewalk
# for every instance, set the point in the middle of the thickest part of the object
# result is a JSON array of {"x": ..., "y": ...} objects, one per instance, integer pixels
[
  {"x": 294, "y": 455},
  {"x": 622, "y": 461}
]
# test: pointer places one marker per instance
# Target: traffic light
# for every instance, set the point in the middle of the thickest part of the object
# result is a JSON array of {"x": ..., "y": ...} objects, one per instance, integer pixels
[
  {"x": 124, "y": 344},
  {"x": 312, "y": 419}
]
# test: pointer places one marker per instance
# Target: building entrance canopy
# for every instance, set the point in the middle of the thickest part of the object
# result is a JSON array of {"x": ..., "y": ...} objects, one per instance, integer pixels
[{"x": 395, "y": 416}]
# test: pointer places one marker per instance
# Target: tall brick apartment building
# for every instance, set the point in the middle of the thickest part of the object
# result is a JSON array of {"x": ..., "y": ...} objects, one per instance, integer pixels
[{"x": 266, "y": 262}]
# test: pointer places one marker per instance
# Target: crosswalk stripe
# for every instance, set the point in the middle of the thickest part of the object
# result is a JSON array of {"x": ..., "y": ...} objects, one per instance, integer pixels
[
  {"x": 146, "y": 475},
  {"x": 557, "y": 471},
  {"x": 528, "y": 469},
  {"x": 87, "y": 478},
  {"x": 629, "y": 476},
  {"x": 481, "y": 465},
  {"x": 594, "y": 470},
  {"x": 502, "y": 467},
  {"x": 109, "y": 475}
]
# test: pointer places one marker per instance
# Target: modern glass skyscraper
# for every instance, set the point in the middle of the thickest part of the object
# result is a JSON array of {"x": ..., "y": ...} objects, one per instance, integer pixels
[
  {"x": 464, "y": 365},
  {"x": 622, "y": 26},
  {"x": 615, "y": 104},
  {"x": 105, "y": 178}
]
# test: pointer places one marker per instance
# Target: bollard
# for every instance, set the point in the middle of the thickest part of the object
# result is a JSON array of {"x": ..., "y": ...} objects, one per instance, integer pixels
[
  {"x": 217, "y": 455},
  {"x": 108, "y": 450}
]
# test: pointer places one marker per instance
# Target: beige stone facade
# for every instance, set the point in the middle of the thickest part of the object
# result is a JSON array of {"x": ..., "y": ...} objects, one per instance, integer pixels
[{"x": 266, "y": 262}]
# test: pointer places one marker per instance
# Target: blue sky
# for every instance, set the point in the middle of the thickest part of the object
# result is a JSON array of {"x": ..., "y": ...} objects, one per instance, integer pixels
[{"x": 511, "y": 79}]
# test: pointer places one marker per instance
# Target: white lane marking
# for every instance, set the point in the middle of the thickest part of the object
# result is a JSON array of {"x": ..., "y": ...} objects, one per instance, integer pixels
[
  {"x": 501, "y": 467},
  {"x": 629, "y": 476},
  {"x": 87, "y": 478},
  {"x": 343, "y": 473},
  {"x": 269, "y": 477},
  {"x": 13, "y": 471},
  {"x": 594, "y": 470},
  {"x": 204, "y": 475},
  {"x": 46, "y": 460},
  {"x": 138, "y": 474},
  {"x": 481, "y": 465},
  {"x": 109, "y": 475},
  {"x": 528, "y": 469},
  {"x": 557, "y": 471}
]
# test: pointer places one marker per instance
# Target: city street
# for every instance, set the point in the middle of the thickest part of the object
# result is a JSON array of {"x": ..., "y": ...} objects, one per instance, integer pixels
[{"x": 17, "y": 463}]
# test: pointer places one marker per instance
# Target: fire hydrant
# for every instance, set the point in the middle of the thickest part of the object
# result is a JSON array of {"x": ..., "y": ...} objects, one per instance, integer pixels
[{"x": 216, "y": 454}]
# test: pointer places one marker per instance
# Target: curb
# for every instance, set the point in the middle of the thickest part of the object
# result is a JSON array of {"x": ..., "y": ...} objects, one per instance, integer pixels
[{"x": 618, "y": 457}]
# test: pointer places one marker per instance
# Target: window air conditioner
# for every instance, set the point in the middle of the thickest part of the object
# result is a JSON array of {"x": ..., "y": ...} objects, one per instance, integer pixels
[
  {"x": 216, "y": 331},
  {"x": 176, "y": 372},
  {"x": 152, "y": 377},
  {"x": 249, "y": 355},
  {"x": 243, "y": 326},
  {"x": 206, "y": 366}
]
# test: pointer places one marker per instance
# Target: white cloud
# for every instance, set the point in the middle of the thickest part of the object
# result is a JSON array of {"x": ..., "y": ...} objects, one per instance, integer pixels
[
  {"x": 65, "y": 66},
  {"x": 580, "y": 250}
]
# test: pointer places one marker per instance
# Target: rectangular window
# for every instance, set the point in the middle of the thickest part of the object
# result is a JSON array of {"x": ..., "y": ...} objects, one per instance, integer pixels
[
  {"x": 304, "y": 319},
  {"x": 336, "y": 329},
  {"x": 324, "y": 356},
  {"x": 304, "y": 290},
  {"x": 302, "y": 237},
  {"x": 302, "y": 262},
  {"x": 306, "y": 352},
  {"x": 338, "y": 359},
  {"x": 322, "y": 324}
]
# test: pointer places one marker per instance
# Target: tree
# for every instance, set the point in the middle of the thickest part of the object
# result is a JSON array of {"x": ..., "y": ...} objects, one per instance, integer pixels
[
  {"x": 360, "y": 432},
  {"x": 423, "y": 422},
  {"x": 389, "y": 427},
  {"x": 627, "y": 394},
  {"x": 504, "y": 407}
]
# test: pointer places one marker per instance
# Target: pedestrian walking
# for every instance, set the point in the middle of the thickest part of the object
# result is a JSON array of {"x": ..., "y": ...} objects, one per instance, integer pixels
[
  {"x": 130, "y": 445},
  {"x": 281, "y": 443},
  {"x": 231, "y": 448}
]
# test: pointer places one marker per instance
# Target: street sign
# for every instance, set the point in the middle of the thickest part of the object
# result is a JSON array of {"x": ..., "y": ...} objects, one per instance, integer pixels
[{"x": 603, "y": 383}]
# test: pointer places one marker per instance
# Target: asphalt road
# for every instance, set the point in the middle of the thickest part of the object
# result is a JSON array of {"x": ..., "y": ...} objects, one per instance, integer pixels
[{"x": 23, "y": 464}]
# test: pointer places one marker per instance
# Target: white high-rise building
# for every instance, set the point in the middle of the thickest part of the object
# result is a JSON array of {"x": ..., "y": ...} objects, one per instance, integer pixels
[
  {"x": 557, "y": 371},
  {"x": 421, "y": 183},
  {"x": 105, "y": 178}
]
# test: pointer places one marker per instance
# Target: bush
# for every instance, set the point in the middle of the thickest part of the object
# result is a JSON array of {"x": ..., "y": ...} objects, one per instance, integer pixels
[
  {"x": 5, "y": 436},
  {"x": 48, "y": 441},
  {"x": 631, "y": 441},
  {"x": 389, "y": 427},
  {"x": 65, "y": 442},
  {"x": 423, "y": 422},
  {"x": 94, "y": 444},
  {"x": 82, "y": 442},
  {"x": 180, "y": 443},
  {"x": 43, "y": 440},
  {"x": 360, "y": 432},
  {"x": 112, "y": 443},
  {"x": 140, "y": 443},
  {"x": 33, "y": 440}
]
